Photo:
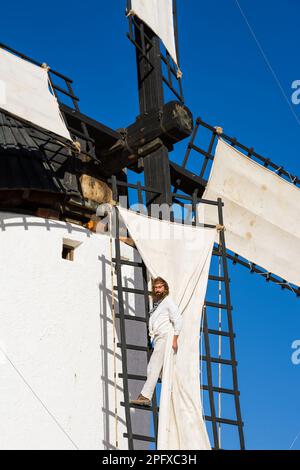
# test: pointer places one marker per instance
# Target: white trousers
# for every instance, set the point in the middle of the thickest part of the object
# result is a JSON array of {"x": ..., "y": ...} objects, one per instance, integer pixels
[{"x": 155, "y": 365}]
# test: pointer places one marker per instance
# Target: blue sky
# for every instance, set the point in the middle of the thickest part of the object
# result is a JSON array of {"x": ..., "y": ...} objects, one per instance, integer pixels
[{"x": 233, "y": 80}]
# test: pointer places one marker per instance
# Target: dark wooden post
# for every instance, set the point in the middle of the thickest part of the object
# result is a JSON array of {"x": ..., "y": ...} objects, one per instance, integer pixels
[{"x": 151, "y": 96}]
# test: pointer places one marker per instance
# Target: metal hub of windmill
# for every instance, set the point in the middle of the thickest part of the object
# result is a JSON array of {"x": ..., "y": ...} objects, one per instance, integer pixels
[{"x": 45, "y": 175}]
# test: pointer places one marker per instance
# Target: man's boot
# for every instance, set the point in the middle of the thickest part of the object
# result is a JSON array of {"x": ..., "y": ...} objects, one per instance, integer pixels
[{"x": 141, "y": 400}]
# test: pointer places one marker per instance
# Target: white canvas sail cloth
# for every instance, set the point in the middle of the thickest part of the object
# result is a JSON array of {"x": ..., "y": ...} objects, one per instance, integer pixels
[
  {"x": 158, "y": 15},
  {"x": 181, "y": 255},
  {"x": 261, "y": 212},
  {"x": 25, "y": 93}
]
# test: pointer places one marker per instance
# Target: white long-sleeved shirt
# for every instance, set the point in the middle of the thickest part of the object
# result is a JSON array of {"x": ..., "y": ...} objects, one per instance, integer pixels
[{"x": 166, "y": 312}]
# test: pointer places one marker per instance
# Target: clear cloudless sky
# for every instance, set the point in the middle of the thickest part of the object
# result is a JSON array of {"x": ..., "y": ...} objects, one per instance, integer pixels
[{"x": 228, "y": 83}]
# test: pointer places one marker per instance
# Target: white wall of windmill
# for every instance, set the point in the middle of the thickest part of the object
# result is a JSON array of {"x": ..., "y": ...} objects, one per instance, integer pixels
[
  {"x": 261, "y": 212},
  {"x": 56, "y": 338},
  {"x": 25, "y": 93},
  {"x": 158, "y": 15}
]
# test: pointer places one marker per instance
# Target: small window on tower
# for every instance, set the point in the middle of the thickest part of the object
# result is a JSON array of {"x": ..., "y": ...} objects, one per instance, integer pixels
[
  {"x": 69, "y": 248},
  {"x": 68, "y": 252}
]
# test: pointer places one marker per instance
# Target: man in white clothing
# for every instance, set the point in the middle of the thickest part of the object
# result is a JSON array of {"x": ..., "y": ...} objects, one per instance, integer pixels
[{"x": 164, "y": 316}]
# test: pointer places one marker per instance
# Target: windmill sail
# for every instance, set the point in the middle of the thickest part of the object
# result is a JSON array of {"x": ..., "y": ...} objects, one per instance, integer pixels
[
  {"x": 25, "y": 93},
  {"x": 181, "y": 255},
  {"x": 158, "y": 15},
  {"x": 261, "y": 212}
]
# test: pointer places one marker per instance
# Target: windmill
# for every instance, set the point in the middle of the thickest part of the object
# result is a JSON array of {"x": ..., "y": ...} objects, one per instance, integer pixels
[{"x": 63, "y": 180}]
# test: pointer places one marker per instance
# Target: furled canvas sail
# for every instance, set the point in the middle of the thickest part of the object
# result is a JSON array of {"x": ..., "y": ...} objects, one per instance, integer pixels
[
  {"x": 158, "y": 15},
  {"x": 261, "y": 212},
  {"x": 25, "y": 93},
  {"x": 180, "y": 254}
]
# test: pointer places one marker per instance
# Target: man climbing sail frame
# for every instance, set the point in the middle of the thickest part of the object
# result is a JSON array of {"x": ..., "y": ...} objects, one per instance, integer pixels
[{"x": 164, "y": 315}]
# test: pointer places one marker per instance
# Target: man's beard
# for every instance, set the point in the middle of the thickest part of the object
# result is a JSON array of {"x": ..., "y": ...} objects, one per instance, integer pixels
[{"x": 159, "y": 296}]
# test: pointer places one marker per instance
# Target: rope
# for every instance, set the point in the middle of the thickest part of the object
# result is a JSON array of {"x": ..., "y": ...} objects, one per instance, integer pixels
[
  {"x": 46, "y": 67},
  {"x": 179, "y": 73},
  {"x": 201, "y": 355},
  {"x": 220, "y": 354},
  {"x": 74, "y": 145},
  {"x": 219, "y": 130},
  {"x": 292, "y": 444},
  {"x": 114, "y": 333},
  {"x": 220, "y": 227}
]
